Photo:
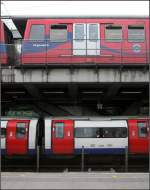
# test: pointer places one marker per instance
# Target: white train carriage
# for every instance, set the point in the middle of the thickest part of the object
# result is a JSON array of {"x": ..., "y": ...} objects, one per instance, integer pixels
[
  {"x": 101, "y": 137},
  {"x": 18, "y": 136}
]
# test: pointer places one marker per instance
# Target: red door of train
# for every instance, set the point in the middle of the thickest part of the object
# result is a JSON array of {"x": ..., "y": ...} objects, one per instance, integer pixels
[
  {"x": 17, "y": 137},
  {"x": 138, "y": 136},
  {"x": 62, "y": 136}
]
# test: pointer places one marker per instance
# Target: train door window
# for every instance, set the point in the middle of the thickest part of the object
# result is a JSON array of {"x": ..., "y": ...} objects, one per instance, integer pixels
[
  {"x": 142, "y": 129},
  {"x": 59, "y": 130},
  {"x": 58, "y": 33},
  {"x": 113, "y": 33},
  {"x": 79, "y": 32},
  {"x": 3, "y": 132},
  {"x": 136, "y": 33},
  {"x": 37, "y": 32},
  {"x": 20, "y": 130},
  {"x": 93, "y": 31}
]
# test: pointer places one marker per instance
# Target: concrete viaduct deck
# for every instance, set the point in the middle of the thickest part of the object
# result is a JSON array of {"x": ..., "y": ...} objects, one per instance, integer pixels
[{"x": 77, "y": 75}]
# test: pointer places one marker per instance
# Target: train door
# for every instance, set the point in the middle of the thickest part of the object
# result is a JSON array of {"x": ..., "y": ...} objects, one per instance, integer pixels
[
  {"x": 138, "y": 136},
  {"x": 62, "y": 137},
  {"x": 79, "y": 39},
  {"x": 86, "y": 39},
  {"x": 17, "y": 137},
  {"x": 93, "y": 39}
]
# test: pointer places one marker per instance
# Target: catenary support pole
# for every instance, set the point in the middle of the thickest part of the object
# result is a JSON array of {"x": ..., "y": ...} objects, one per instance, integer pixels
[
  {"x": 82, "y": 159},
  {"x": 126, "y": 159}
]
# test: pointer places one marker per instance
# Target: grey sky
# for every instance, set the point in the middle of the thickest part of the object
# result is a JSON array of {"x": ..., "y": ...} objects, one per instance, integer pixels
[{"x": 75, "y": 8}]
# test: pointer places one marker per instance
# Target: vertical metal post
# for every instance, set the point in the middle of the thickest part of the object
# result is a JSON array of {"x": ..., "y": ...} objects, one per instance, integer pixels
[
  {"x": 82, "y": 159},
  {"x": 126, "y": 159},
  {"x": 37, "y": 159}
]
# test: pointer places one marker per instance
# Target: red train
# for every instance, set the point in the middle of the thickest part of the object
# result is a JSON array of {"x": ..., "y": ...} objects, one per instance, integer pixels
[
  {"x": 6, "y": 45},
  {"x": 66, "y": 136},
  {"x": 85, "y": 41}
]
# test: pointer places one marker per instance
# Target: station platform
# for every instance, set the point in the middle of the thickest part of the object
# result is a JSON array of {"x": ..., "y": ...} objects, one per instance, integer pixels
[{"x": 74, "y": 180}]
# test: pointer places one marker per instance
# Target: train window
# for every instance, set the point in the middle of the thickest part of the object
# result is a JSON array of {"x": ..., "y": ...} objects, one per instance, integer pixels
[
  {"x": 93, "y": 31},
  {"x": 142, "y": 128},
  {"x": 106, "y": 132},
  {"x": 85, "y": 132},
  {"x": 58, "y": 33},
  {"x": 136, "y": 33},
  {"x": 113, "y": 33},
  {"x": 117, "y": 132},
  {"x": 59, "y": 130},
  {"x": 37, "y": 32},
  {"x": 3, "y": 132},
  {"x": 21, "y": 130},
  {"x": 79, "y": 31}
]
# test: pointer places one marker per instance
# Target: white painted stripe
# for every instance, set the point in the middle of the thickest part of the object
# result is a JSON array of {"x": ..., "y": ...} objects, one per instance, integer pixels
[
  {"x": 101, "y": 142},
  {"x": 120, "y": 123},
  {"x": 3, "y": 140},
  {"x": 48, "y": 127},
  {"x": 32, "y": 133}
]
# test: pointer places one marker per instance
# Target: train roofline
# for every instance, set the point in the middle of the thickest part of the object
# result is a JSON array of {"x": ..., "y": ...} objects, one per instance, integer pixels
[
  {"x": 3, "y": 118},
  {"x": 74, "y": 17},
  {"x": 96, "y": 118}
]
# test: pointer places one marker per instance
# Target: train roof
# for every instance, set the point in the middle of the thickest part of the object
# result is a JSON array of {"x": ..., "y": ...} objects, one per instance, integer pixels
[
  {"x": 97, "y": 118},
  {"x": 17, "y": 118},
  {"x": 20, "y": 21}
]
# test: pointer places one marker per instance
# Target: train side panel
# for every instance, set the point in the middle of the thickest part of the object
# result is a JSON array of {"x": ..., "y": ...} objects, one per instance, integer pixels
[
  {"x": 19, "y": 137},
  {"x": 86, "y": 41},
  {"x": 138, "y": 136},
  {"x": 112, "y": 137}
]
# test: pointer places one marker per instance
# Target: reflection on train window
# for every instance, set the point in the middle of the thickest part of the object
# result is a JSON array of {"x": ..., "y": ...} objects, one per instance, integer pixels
[
  {"x": 37, "y": 32},
  {"x": 136, "y": 33},
  {"x": 79, "y": 31},
  {"x": 85, "y": 132},
  {"x": 58, "y": 33},
  {"x": 142, "y": 128},
  {"x": 21, "y": 130},
  {"x": 106, "y": 132},
  {"x": 59, "y": 130},
  {"x": 93, "y": 31},
  {"x": 3, "y": 132},
  {"x": 113, "y": 33}
]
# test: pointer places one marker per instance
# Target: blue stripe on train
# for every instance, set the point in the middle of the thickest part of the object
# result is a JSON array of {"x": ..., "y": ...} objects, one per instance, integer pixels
[
  {"x": 32, "y": 151},
  {"x": 2, "y": 151},
  {"x": 45, "y": 45},
  {"x": 93, "y": 151},
  {"x": 47, "y": 151},
  {"x": 2, "y": 48},
  {"x": 100, "y": 150}
]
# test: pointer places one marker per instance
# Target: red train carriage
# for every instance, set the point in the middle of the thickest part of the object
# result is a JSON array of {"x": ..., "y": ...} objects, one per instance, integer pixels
[
  {"x": 18, "y": 136},
  {"x": 6, "y": 44},
  {"x": 86, "y": 41}
]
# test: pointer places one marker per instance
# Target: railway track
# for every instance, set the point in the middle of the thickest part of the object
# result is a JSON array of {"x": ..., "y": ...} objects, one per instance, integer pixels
[{"x": 64, "y": 165}]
